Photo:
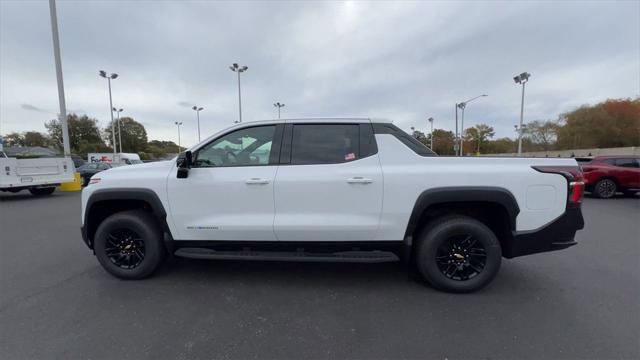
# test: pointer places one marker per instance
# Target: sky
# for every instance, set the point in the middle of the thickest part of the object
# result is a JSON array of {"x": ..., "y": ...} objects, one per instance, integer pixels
[{"x": 403, "y": 61}]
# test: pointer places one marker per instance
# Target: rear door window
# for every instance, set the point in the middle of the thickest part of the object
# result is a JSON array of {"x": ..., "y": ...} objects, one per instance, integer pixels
[
  {"x": 627, "y": 163},
  {"x": 325, "y": 143}
]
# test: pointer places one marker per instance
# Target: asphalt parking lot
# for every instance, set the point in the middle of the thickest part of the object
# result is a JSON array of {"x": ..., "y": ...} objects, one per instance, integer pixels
[{"x": 57, "y": 302}]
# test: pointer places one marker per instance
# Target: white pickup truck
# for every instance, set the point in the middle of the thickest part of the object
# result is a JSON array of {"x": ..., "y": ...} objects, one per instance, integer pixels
[
  {"x": 356, "y": 190},
  {"x": 38, "y": 175}
]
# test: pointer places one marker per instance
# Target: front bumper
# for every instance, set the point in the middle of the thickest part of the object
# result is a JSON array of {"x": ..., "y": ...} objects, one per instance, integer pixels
[
  {"x": 556, "y": 235},
  {"x": 85, "y": 238}
]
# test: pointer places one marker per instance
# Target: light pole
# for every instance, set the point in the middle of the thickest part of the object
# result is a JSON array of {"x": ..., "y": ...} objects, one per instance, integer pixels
[
  {"x": 278, "y": 105},
  {"x": 62, "y": 116},
  {"x": 179, "y": 145},
  {"x": 430, "y": 120},
  {"x": 519, "y": 130},
  {"x": 113, "y": 129},
  {"x": 521, "y": 79},
  {"x": 239, "y": 69},
  {"x": 462, "y": 106},
  {"x": 197, "y": 110},
  {"x": 118, "y": 111}
]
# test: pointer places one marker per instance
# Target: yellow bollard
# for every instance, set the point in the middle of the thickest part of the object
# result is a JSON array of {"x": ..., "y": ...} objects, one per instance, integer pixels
[{"x": 74, "y": 185}]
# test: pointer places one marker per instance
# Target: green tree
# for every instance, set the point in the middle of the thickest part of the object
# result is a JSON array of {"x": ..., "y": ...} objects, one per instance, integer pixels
[
  {"x": 542, "y": 133},
  {"x": 500, "y": 146},
  {"x": 14, "y": 139},
  {"x": 35, "y": 138},
  {"x": 84, "y": 135},
  {"x": 134, "y": 135},
  {"x": 419, "y": 135},
  {"x": 478, "y": 134}
]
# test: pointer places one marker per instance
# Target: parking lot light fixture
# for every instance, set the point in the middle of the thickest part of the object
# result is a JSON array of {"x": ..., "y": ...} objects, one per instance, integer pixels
[
  {"x": 197, "y": 110},
  {"x": 279, "y": 106},
  {"x": 463, "y": 106},
  {"x": 239, "y": 69},
  {"x": 118, "y": 111},
  {"x": 430, "y": 120},
  {"x": 178, "y": 124},
  {"x": 521, "y": 79},
  {"x": 113, "y": 76}
]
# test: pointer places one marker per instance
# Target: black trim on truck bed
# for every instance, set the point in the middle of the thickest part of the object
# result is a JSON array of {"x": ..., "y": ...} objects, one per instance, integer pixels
[{"x": 557, "y": 235}]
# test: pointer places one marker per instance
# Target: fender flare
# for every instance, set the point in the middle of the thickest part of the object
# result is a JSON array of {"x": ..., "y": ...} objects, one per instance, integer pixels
[
  {"x": 488, "y": 194},
  {"x": 141, "y": 194}
]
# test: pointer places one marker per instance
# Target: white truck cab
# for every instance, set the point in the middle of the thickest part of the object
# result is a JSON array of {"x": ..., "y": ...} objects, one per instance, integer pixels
[{"x": 332, "y": 190}]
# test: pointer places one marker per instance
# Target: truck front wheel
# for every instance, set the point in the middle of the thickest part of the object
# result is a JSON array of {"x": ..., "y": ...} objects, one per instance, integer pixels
[
  {"x": 458, "y": 254},
  {"x": 129, "y": 244}
]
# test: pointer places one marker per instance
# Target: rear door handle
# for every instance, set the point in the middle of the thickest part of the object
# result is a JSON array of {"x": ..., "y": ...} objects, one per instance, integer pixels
[
  {"x": 257, "y": 181},
  {"x": 359, "y": 180}
]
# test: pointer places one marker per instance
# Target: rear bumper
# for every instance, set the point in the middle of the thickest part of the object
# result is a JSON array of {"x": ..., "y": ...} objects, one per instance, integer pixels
[{"x": 556, "y": 235}]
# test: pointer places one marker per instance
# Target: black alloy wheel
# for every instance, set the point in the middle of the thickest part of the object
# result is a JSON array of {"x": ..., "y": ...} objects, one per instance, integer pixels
[
  {"x": 125, "y": 248},
  {"x": 461, "y": 257}
]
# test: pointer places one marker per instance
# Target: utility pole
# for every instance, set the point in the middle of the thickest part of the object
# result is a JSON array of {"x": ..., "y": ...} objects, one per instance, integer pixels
[
  {"x": 462, "y": 106},
  {"x": 62, "y": 116}
]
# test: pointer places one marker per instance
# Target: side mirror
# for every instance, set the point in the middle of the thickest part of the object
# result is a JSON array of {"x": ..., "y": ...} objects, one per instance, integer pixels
[{"x": 184, "y": 163}]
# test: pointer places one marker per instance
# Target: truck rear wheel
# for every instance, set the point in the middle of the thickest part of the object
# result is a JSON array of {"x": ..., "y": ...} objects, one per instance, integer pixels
[
  {"x": 42, "y": 191},
  {"x": 129, "y": 244},
  {"x": 458, "y": 254}
]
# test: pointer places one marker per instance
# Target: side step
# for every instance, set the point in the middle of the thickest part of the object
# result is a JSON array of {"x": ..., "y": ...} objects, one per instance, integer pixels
[{"x": 300, "y": 255}]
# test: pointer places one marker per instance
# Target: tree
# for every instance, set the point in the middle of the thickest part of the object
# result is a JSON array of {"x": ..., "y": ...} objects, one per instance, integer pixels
[
  {"x": 84, "y": 135},
  {"x": 478, "y": 134},
  {"x": 419, "y": 135},
  {"x": 14, "y": 139},
  {"x": 157, "y": 149},
  {"x": 613, "y": 123},
  {"x": 443, "y": 141},
  {"x": 543, "y": 133},
  {"x": 134, "y": 135},
  {"x": 35, "y": 138},
  {"x": 500, "y": 146}
]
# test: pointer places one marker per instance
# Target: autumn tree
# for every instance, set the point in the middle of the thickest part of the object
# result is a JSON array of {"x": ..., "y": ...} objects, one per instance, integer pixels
[
  {"x": 14, "y": 139},
  {"x": 613, "y": 123},
  {"x": 134, "y": 135},
  {"x": 443, "y": 141}
]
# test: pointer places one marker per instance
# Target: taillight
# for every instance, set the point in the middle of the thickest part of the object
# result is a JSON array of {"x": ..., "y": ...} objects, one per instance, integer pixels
[{"x": 575, "y": 182}]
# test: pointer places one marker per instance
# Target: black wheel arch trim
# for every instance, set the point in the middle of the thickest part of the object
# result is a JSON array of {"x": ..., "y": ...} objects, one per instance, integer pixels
[
  {"x": 141, "y": 194},
  {"x": 489, "y": 194}
]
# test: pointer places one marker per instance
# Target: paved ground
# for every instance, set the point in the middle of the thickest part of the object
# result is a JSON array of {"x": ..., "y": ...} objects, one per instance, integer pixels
[{"x": 56, "y": 301}]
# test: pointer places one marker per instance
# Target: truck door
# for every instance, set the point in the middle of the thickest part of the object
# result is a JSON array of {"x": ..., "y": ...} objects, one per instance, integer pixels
[
  {"x": 228, "y": 194},
  {"x": 329, "y": 183}
]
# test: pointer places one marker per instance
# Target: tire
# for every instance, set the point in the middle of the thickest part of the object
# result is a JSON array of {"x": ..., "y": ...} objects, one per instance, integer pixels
[
  {"x": 458, "y": 254},
  {"x": 605, "y": 188},
  {"x": 129, "y": 244},
  {"x": 42, "y": 191}
]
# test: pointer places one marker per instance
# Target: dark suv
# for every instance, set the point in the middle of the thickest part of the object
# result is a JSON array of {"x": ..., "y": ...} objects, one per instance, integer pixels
[{"x": 605, "y": 175}]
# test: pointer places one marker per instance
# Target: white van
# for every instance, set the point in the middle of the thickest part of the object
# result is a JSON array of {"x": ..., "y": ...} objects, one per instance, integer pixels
[{"x": 126, "y": 158}]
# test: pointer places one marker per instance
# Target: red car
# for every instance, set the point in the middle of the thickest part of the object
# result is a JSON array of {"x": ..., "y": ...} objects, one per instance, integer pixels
[{"x": 605, "y": 175}]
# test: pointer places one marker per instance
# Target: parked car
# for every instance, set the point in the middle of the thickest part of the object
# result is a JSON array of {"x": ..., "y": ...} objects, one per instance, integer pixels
[
  {"x": 606, "y": 175},
  {"x": 332, "y": 190},
  {"x": 89, "y": 169}
]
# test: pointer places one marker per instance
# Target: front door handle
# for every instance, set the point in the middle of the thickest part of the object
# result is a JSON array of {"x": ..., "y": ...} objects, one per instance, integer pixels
[
  {"x": 359, "y": 180},
  {"x": 257, "y": 181}
]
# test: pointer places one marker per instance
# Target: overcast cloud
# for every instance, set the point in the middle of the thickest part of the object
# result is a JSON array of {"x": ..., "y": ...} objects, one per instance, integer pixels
[{"x": 405, "y": 61}]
